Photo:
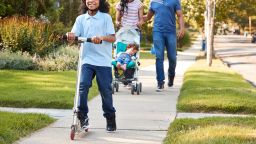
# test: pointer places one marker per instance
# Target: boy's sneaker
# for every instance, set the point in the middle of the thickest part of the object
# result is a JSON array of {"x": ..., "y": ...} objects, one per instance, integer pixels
[
  {"x": 111, "y": 123},
  {"x": 84, "y": 124},
  {"x": 160, "y": 87},
  {"x": 170, "y": 81},
  {"x": 84, "y": 120}
]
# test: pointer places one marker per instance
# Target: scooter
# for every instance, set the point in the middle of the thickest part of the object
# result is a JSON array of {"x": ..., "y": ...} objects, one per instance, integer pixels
[{"x": 75, "y": 127}]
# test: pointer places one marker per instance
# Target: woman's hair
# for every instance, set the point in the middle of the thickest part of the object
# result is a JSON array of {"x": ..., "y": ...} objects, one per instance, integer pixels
[
  {"x": 124, "y": 7},
  {"x": 103, "y": 7}
]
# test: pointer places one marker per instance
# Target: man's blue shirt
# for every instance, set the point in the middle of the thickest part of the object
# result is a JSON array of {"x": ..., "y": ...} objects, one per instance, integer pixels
[
  {"x": 98, "y": 25},
  {"x": 164, "y": 13}
]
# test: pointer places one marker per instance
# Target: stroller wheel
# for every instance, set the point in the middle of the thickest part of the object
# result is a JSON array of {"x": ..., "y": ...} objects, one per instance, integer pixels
[
  {"x": 117, "y": 86},
  {"x": 140, "y": 86},
  {"x": 113, "y": 88},
  {"x": 133, "y": 88}
]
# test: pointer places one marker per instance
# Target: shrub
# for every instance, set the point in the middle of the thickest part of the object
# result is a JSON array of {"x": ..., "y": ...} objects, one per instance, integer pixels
[
  {"x": 27, "y": 34},
  {"x": 64, "y": 59},
  {"x": 18, "y": 60}
]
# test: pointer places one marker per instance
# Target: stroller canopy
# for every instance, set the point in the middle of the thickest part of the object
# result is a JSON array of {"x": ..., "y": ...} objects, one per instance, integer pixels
[{"x": 128, "y": 35}]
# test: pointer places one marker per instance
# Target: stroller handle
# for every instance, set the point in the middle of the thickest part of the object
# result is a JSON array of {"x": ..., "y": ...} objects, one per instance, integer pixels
[{"x": 78, "y": 39}]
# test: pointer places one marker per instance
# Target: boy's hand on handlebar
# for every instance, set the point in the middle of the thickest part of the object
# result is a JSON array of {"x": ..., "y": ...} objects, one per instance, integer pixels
[
  {"x": 70, "y": 37},
  {"x": 97, "y": 40}
]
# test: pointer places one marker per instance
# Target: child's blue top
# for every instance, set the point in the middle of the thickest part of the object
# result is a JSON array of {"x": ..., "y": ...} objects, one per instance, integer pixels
[
  {"x": 164, "y": 12},
  {"x": 123, "y": 58},
  {"x": 98, "y": 25}
]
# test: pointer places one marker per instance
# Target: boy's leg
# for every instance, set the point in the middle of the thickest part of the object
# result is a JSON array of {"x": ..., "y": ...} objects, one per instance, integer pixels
[
  {"x": 159, "y": 46},
  {"x": 171, "y": 55},
  {"x": 104, "y": 80},
  {"x": 87, "y": 74}
]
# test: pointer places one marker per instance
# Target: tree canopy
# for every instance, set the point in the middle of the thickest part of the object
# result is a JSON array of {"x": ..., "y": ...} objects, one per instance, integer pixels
[{"x": 236, "y": 11}]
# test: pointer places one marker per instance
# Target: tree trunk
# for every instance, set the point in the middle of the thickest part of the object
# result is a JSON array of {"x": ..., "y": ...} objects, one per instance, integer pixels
[
  {"x": 210, "y": 7},
  {"x": 209, "y": 37}
]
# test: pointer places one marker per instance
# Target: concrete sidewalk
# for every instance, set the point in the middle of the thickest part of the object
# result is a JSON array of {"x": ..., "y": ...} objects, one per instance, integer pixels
[
  {"x": 141, "y": 119},
  {"x": 145, "y": 118}
]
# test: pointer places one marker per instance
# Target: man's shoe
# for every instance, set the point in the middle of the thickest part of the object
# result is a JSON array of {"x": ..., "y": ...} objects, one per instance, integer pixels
[
  {"x": 111, "y": 123},
  {"x": 170, "y": 81},
  {"x": 160, "y": 87}
]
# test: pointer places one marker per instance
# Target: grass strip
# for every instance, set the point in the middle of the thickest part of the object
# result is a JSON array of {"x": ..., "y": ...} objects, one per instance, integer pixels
[
  {"x": 13, "y": 126},
  {"x": 216, "y": 89},
  {"x": 39, "y": 89},
  {"x": 214, "y": 130}
]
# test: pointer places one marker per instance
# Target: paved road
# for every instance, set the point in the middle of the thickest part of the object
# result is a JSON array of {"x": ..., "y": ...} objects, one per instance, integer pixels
[{"x": 239, "y": 53}]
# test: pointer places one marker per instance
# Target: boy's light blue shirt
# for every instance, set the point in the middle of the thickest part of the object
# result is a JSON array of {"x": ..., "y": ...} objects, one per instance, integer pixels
[
  {"x": 165, "y": 12},
  {"x": 98, "y": 25}
]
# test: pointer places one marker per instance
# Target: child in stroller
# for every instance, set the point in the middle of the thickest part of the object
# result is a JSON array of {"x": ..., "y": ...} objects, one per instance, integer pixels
[
  {"x": 124, "y": 58},
  {"x": 126, "y": 61}
]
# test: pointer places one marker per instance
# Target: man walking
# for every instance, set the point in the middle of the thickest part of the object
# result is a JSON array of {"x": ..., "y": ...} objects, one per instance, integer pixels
[{"x": 164, "y": 35}]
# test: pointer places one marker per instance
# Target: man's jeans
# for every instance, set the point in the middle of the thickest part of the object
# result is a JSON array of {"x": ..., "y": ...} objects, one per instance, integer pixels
[
  {"x": 104, "y": 80},
  {"x": 162, "y": 40}
]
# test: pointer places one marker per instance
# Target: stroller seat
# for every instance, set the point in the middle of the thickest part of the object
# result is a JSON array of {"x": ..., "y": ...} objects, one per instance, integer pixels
[
  {"x": 121, "y": 47},
  {"x": 124, "y": 37}
]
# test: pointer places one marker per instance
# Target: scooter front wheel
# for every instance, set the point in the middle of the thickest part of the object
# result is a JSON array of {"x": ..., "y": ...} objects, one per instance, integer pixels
[{"x": 72, "y": 132}]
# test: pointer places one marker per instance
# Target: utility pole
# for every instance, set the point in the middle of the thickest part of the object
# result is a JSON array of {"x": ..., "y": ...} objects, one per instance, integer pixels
[{"x": 210, "y": 15}]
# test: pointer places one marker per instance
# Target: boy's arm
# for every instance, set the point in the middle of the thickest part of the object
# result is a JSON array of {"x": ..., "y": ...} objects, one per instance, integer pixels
[{"x": 109, "y": 38}]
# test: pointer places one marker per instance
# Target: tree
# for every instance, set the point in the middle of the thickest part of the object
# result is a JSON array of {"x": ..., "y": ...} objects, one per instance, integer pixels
[
  {"x": 193, "y": 11},
  {"x": 33, "y": 8}
]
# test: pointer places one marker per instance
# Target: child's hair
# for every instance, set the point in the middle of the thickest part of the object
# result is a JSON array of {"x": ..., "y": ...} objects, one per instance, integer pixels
[
  {"x": 124, "y": 7},
  {"x": 103, "y": 7},
  {"x": 134, "y": 46}
]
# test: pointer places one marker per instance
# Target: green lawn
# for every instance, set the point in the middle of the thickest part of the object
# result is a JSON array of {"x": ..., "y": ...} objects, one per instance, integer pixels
[
  {"x": 39, "y": 89},
  {"x": 217, "y": 130},
  {"x": 146, "y": 55},
  {"x": 14, "y": 126},
  {"x": 216, "y": 89}
]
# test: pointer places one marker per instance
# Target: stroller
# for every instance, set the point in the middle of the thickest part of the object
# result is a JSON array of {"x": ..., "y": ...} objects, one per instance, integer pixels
[{"x": 125, "y": 36}]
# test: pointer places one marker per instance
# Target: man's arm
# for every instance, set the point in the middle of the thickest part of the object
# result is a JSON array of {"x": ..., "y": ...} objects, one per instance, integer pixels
[
  {"x": 181, "y": 24},
  {"x": 148, "y": 16}
]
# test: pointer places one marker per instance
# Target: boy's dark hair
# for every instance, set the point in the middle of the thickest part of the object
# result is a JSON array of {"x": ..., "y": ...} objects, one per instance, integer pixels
[
  {"x": 103, "y": 7},
  {"x": 124, "y": 7},
  {"x": 134, "y": 45}
]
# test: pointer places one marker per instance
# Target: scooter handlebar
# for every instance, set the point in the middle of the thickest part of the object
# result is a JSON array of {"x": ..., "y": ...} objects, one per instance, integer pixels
[{"x": 79, "y": 39}]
